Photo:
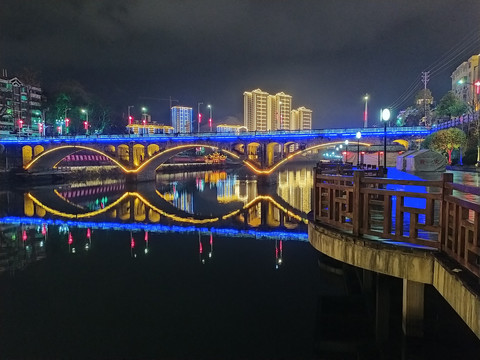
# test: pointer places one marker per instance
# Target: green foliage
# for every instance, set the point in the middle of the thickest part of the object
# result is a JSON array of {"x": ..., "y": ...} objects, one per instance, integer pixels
[
  {"x": 445, "y": 141},
  {"x": 450, "y": 106},
  {"x": 426, "y": 143}
]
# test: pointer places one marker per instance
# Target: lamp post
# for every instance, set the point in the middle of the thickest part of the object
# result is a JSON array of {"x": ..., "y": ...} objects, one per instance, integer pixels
[
  {"x": 346, "y": 150},
  {"x": 130, "y": 117},
  {"x": 86, "y": 124},
  {"x": 199, "y": 115},
  {"x": 358, "y": 136},
  {"x": 67, "y": 120},
  {"x": 385, "y": 118},
  {"x": 210, "y": 118},
  {"x": 365, "y": 113}
]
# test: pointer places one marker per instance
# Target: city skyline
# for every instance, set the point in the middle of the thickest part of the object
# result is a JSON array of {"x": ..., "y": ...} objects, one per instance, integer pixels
[{"x": 326, "y": 55}]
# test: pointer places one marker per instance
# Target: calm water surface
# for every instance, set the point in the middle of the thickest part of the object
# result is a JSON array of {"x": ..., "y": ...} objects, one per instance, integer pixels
[{"x": 205, "y": 265}]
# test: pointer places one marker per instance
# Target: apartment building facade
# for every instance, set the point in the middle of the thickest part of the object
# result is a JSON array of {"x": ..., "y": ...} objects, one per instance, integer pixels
[{"x": 20, "y": 106}]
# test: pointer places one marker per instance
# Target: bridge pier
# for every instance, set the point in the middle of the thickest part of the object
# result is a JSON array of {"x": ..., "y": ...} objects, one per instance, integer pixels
[{"x": 412, "y": 308}]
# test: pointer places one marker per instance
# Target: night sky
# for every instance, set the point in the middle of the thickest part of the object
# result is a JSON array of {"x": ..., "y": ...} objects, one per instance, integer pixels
[{"x": 326, "y": 54}]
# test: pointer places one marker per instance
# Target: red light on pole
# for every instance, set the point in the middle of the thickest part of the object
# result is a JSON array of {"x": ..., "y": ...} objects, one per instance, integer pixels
[
  {"x": 44, "y": 229},
  {"x": 85, "y": 125},
  {"x": 132, "y": 243},
  {"x": 477, "y": 86},
  {"x": 210, "y": 124},
  {"x": 24, "y": 235},
  {"x": 20, "y": 123},
  {"x": 67, "y": 122},
  {"x": 59, "y": 130},
  {"x": 89, "y": 233},
  {"x": 130, "y": 120},
  {"x": 199, "y": 118},
  {"x": 40, "y": 128},
  {"x": 70, "y": 238}
]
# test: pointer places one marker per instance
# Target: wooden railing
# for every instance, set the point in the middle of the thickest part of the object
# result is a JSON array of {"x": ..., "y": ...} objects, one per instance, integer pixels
[{"x": 441, "y": 215}]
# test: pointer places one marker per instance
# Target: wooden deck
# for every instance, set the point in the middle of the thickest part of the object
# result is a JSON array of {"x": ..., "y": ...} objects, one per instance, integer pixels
[{"x": 445, "y": 217}]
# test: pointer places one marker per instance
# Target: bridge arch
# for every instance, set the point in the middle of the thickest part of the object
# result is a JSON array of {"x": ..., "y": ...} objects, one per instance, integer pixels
[
  {"x": 27, "y": 154},
  {"x": 49, "y": 159},
  {"x": 152, "y": 149},
  {"x": 138, "y": 154},
  {"x": 289, "y": 157},
  {"x": 38, "y": 149}
]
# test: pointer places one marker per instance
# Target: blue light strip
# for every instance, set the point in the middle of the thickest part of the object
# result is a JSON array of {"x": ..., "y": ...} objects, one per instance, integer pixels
[
  {"x": 279, "y": 235},
  {"x": 225, "y": 137}
]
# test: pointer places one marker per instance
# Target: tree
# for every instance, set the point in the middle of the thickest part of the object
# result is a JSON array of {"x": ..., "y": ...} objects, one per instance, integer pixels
[
  {"x": 447, "y": 140},
  {"x": 451, "y": 106},
  {"x": 408, "y": 117}
]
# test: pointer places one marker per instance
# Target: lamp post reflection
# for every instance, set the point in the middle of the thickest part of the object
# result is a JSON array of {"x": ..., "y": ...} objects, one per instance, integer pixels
[{"x": 358, "y": 136}]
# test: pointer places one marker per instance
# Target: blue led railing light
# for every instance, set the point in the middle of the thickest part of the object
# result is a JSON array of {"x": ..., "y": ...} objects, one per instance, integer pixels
[
  {"x": 223, "y": 137},
  {"x": 279, "y": 235}
]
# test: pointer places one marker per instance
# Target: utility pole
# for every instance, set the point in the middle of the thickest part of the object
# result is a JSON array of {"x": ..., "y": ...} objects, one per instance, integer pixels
[{"x": 425, "y": 79}]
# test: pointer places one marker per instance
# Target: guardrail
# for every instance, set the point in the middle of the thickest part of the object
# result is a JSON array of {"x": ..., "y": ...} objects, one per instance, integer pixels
[
  {"x": 340, "y": 132},
  {"x": 445, "y": 217}
]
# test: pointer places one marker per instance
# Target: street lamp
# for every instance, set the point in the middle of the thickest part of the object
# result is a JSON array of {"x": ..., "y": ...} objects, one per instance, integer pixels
[
  {"x": 67, "y": 120},
  {"x": 130, "y": 117},
  {"x": 210, "y": 119},
  {"x": 358, "y": 136},
  {"x": 85, "y": 124},
  {"x": 365, "y": 113},
  {"x": 346, "y": 150},
  {"x": 385, "y": 118},
  {"x": 199, "y": 115}
]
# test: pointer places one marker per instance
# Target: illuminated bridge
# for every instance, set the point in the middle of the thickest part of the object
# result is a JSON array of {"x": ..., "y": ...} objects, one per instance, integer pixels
[{"x": 139, "y": 157}]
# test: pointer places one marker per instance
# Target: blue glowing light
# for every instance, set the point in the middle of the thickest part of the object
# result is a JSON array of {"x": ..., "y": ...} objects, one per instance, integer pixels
[{"x": 279, "y": 235}]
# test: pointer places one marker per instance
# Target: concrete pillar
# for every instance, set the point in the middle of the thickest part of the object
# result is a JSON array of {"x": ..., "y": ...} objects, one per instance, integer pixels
[
  {"x": 264, "y": 214},
  {"x": 382, "y": 308},
  {"x": 412, "y": 308},
  {"x": 130, "y": 156}
]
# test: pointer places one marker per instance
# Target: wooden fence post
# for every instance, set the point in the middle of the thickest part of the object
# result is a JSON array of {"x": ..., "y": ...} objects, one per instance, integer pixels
[
  {"x": 357, "y": 203},
  {"x": 446, "y": 178}
]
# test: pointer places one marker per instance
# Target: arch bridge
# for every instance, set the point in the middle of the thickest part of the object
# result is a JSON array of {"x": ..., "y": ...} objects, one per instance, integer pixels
[{"x": 139, "y": 157}]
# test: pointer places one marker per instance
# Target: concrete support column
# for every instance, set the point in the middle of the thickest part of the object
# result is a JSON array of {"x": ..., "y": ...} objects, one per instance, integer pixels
[
  {"x": 412, "y": 308},
  {"x": 264, "y": 210},
  {"x": 130, "y": 156},
  {"x": 382, "y": 308},
  {"x": 263, "y": 154}
]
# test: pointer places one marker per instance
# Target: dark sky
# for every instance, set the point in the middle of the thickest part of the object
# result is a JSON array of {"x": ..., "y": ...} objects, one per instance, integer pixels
[{"x": 326, "y": 54}]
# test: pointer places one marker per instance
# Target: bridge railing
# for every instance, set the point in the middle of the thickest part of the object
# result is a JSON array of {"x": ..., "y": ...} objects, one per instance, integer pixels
[{"x": 439, "y": 215}]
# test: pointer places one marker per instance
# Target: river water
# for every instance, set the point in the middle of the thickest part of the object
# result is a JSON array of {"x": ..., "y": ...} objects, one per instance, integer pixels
[{"x": 198, "y": 265}]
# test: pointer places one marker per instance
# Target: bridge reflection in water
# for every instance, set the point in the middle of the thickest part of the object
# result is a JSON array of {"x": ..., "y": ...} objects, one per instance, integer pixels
[{"x": 209, "y": 204}]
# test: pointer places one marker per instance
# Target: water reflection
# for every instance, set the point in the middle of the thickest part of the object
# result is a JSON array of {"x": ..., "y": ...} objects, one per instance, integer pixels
[
  {"x": 210, "y": 204},
  {"x": 160, "y": 280}
]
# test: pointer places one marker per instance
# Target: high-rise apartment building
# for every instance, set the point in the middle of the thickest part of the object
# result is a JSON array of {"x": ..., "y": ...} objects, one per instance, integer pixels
[
  {"x": 265, "y": 112},
  {"x": 20, "y": 106},
  {"x": 301, "y": 119},
  {"x": 304, "y": 118},
  {"x": 182, "y": 119},
  {"x": 283, "y": 111},
  {"x": 255, "y": 112},
  {"x": 463, "y": 79}
]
